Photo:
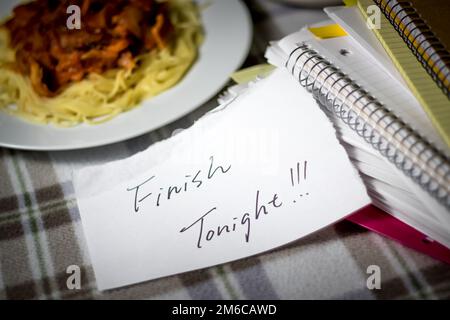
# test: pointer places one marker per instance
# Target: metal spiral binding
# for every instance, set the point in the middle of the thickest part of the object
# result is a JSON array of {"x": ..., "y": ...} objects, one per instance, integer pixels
[
  {"x": 389, "y": 135},
  {"x": 392, "y": 13}
]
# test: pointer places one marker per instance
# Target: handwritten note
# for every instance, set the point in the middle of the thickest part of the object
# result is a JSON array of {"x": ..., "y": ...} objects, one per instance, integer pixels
[{"x": 255, "y": 174}]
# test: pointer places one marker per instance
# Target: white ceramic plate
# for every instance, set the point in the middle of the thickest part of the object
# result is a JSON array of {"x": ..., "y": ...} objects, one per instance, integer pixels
[{"x": 228, "y": 31}]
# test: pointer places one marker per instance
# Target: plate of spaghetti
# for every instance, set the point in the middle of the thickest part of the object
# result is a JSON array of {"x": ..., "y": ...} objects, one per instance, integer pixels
[{"x": 84, "y": 73}]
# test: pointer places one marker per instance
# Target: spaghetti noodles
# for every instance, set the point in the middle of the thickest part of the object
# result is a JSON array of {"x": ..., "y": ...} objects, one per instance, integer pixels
[{"x": 99, "y": 97}]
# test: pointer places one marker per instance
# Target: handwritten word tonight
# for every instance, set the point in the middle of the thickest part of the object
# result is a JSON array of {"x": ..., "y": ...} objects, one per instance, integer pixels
[
  {"x": 190, "y": 182},
  {"x": 241, "y": 223}
]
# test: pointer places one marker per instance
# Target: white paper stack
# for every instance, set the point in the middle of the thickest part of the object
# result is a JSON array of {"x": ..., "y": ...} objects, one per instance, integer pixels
[{"x": 369, "y": 66}]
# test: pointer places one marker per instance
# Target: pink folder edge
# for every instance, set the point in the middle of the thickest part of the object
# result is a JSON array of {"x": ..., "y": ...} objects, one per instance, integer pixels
[{"x": 378, "y": 221}]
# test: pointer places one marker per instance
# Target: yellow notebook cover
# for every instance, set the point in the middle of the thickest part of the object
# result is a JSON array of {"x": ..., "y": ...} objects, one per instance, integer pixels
[
  {"x": 430, "y": 96},
  {"x": 423, "y": 26}
]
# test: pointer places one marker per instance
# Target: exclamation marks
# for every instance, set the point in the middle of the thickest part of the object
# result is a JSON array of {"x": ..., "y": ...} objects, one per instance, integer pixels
[{"x": 298, "y": 173}]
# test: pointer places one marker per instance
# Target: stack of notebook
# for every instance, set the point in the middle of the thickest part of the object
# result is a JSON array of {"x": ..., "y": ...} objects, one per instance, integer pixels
[{"x": 381, "y": 71}]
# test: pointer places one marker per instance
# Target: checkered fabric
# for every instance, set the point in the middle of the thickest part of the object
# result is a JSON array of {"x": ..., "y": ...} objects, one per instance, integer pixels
[{"x": 41, "y": 232}]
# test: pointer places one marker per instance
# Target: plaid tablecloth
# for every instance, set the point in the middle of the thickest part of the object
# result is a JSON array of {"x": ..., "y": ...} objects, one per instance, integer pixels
[{"x": 41, "y": 232}]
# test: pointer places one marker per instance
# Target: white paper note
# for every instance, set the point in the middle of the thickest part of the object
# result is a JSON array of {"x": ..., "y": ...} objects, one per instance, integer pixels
[{"x": 256, "y": 174}]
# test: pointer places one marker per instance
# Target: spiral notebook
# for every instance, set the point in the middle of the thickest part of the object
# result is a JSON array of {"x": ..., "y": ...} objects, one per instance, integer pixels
[
  {"x": 412, "y": 180},
  {"x": 403, "y": 37},
  {"x": 423, "y": 25},
  {"x": 370, "y": 217}
]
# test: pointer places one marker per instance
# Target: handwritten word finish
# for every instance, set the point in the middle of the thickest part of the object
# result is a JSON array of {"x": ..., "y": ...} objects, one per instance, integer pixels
[{"x": 143, "y": 192}]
